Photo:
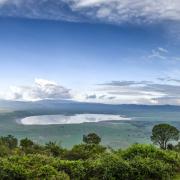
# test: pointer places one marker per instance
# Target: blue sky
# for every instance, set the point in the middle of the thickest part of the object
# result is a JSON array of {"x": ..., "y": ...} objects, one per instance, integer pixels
[{"x": 91, "y": 50}]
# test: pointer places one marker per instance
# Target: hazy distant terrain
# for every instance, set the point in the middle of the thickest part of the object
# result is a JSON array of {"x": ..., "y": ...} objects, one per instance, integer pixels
[{"x": 118, "y": 133}]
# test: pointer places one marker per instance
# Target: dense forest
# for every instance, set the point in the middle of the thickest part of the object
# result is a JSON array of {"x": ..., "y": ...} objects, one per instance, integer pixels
[{"x": 25, "y": 159}]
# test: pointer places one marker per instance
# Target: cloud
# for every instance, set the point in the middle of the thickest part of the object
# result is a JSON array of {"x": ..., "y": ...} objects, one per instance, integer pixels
[
  {"x": 42, "y": 89},
  {"x": 102, "y": 96},
  {"x": 127, "y": 10},
  {"x": 165, "y": 90},
  {"x": 41, "y": 9},
  {"x": 93, "y": 96},
  {"x": 111, "y": 11},
  {"x": 161, "y": 53},
  {"x": 112, "y": 97},
  {"x": 168, "y": 100},
  {"x": 145, "y": 92},
  {"x": 3, "y": 1},
  {"x": 158, "y": 53},
  {"x": 169, "y": 79},
  {"x": 125, "y": 83},
  {"x": 162, "y": 50}
]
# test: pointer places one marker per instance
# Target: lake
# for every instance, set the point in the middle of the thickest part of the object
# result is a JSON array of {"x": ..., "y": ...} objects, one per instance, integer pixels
[{"x": 73, "y": 119}]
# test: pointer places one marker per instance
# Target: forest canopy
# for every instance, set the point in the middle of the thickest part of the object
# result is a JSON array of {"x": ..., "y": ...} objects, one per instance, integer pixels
[{"x": 89, "y": 160}]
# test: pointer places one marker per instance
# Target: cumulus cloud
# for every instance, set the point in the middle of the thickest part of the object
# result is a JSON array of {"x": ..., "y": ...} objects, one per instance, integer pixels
[
  {"x": 162, "y": 91},
  {"x": 42, "y": 89}
]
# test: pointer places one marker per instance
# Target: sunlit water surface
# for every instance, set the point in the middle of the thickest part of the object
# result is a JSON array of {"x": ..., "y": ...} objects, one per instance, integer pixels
[{"x": 74, "y": 119}]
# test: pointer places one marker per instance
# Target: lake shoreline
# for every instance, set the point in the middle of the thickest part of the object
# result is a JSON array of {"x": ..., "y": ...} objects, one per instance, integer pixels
[{"x": 71, "y": 119}]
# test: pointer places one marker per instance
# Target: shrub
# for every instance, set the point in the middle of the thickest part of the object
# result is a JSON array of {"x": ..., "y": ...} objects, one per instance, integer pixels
[
  {"x": 91, "y": 138},
  {"x": 109, "y": 167},
  {"x": 84, "y": 151},
  {"x": 147, "y": 168},
  {"x": 149, "y": 151},
  {"x": 75, "y": 169}
]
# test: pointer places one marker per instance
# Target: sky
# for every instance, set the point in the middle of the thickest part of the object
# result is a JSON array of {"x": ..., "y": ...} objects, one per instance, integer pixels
[{"x": 115, "y": 51}]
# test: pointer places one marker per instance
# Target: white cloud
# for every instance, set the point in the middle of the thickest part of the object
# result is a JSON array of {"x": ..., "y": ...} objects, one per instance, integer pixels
[
  {"x": 142, "y": 92},
  {"x": 163, "y": 50},
  {"x": 42, "y": 89},
  {"x": 16, "y": 2},
  {"x": 126, "y": 10},
  {"x": 3, "y": 1},
  {"x": 158, "y": 53},
  {"x": 162, "y": 54},
  {"x": 163, "y": 91},
  {"x": 113, "y": 11}
]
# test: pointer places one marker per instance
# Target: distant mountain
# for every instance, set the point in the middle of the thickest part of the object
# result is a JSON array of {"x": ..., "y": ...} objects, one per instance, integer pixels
[{"x": 67, "y": 106}]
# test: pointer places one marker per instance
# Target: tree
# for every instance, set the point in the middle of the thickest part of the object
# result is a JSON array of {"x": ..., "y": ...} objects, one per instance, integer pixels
[
  {"x": 170, "y": 147},
  {"x": 85, "y": 151},
  {"x": 177, "y": 147},
  {"x": 26, "y": 143},
  {"x": 9, "y": 141},
  {"x": 91, "y": 138},
  {"x": 54, "y": 149},
  {"x": 163, "y": 133}
]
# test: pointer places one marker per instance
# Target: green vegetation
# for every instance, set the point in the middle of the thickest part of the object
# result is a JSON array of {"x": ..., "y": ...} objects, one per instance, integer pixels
[
  {"x": 163, "y": 133},
  {"x": 87, "y": 161},
  {"x": 91, "y": 138}
]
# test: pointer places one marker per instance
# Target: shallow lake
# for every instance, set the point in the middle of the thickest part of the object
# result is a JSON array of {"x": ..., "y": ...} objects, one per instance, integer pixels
[{"x": 74, "y": 119}]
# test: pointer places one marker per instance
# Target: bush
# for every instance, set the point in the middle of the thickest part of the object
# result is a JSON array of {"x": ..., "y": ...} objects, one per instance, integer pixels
[
  {"x": 86, "y": 162},
  {"x": 49, "y": 172},
  {"x": 149, "y": 151},
  {"x": 75, "y": 169},
  {"x": 30, "y": 167},
  {"x": 148, "y": 168},
  {"x": 84, "y": 151},
  {"x": 109, "y": 167},
  {"x": 10, "y": 141},
  {"x": 91, "y": 138}
]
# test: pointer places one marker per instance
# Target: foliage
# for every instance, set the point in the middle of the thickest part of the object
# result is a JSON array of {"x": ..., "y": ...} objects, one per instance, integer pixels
[
  {"x": 163, "y": 133},
  {"x": 54, "y": 149},
  {"x": 91, "y": 138},
  {"x": 10, "y": 141},
  {"x": 88, "y": 161},
  {"x": 84, "y": 151},
  {"x": 109, "y": 166},
  {"x": 30, "y": 167},
  {"x": 177, "y": 147},
  {"x": 26, "y": 143},
  {"x": 149, "y": 168}
]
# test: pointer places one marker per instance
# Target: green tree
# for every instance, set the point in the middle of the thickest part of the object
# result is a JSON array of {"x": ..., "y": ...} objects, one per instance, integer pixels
[
  {"x": 9, "y": 141},
  {"x": 163, "y": 133},
  {"x": 53, "y": 148},
  {"x": 85, "y": 151},
  {"x": 177, "y": 147},
  {"x": 26, "y": 143},
  {"x": 91, "y": 138}
]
